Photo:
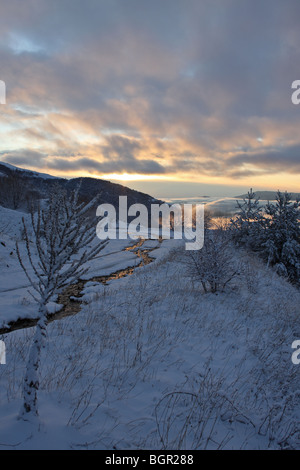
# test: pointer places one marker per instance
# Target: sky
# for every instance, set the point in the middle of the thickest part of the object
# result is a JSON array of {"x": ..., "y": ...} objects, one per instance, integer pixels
[{"x": 174, "y": 97}]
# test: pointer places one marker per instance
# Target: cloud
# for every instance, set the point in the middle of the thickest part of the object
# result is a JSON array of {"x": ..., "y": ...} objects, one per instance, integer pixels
[
  {"x": 24, "y": 157},
  {"x": 285, "y": 159},
  {"x": 92, "y": 166},
  {"x": 151, "y": 87}
]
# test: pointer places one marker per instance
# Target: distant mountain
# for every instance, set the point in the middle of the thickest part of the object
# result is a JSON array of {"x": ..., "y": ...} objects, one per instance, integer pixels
[
  {"x": 268, "y": 195},
  {"x": 40, "y": 184}
]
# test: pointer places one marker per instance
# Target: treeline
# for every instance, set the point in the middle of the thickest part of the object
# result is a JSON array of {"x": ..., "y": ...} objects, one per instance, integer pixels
[
  {"x": 21, "y": 192},
  {"x": 273, "y": 231},
  {"x": 16, "y": 192}
]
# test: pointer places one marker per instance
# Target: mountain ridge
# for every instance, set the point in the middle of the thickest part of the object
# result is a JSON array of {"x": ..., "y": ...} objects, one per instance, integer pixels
[
  {"x": 42, "y": 183},
  {"x": 268, "y": 195}
]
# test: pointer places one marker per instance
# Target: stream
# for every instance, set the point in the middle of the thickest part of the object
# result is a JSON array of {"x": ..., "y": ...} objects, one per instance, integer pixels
[{"x": 72, "y": 307}]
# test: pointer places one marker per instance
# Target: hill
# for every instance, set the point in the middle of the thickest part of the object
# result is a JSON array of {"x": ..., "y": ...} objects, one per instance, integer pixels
[
  {"x": 18, "y": 185},
  {"x": 268, "y": 195}
]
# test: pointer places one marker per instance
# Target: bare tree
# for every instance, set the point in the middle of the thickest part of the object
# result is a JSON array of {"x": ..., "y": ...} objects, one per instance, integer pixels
[{"x": 59, "y": 232}]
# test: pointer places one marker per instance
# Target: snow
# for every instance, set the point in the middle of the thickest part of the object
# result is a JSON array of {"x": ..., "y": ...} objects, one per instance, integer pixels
[
  {"x": 111, "y": 259},
  {"x": 11, "y": 222},
  {"x": 152, "y": 362},
  {"x": 15, "y": 300},
  {"x": 53, "y": 307}
]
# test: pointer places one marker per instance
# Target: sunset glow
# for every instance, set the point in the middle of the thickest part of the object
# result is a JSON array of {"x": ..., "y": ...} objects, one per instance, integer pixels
[{"x": 160, "y": 93}]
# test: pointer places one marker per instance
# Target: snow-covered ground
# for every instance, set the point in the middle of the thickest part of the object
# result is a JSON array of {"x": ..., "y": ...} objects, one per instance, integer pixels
[
  {"x": 151, "y": 362},
  {"x": 16, "y": 301}
]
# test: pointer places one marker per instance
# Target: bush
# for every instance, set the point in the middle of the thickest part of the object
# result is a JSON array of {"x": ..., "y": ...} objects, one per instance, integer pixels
[
  {"x": 274, "y": 233},
  {"x": 213, "y": 265}
]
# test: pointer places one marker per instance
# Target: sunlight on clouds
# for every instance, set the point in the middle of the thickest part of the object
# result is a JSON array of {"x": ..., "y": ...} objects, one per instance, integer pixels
[
  {"x": 282, "y": 181},
  {"x": 134, "y": 177},
  {"x": 154, "y": 101}
]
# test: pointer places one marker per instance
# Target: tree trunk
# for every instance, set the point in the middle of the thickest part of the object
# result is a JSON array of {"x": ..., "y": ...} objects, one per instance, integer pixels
[{"x": 31, "y": 379}]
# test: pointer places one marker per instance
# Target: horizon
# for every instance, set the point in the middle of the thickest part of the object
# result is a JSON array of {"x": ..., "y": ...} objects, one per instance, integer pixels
[
  {"x": 181, "y": 101},
  {"x": 189, "y": 190}
]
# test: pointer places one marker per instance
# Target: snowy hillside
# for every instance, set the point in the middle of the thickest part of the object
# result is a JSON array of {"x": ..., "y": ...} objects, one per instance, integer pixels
[{"x": 150, "y": 361}]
